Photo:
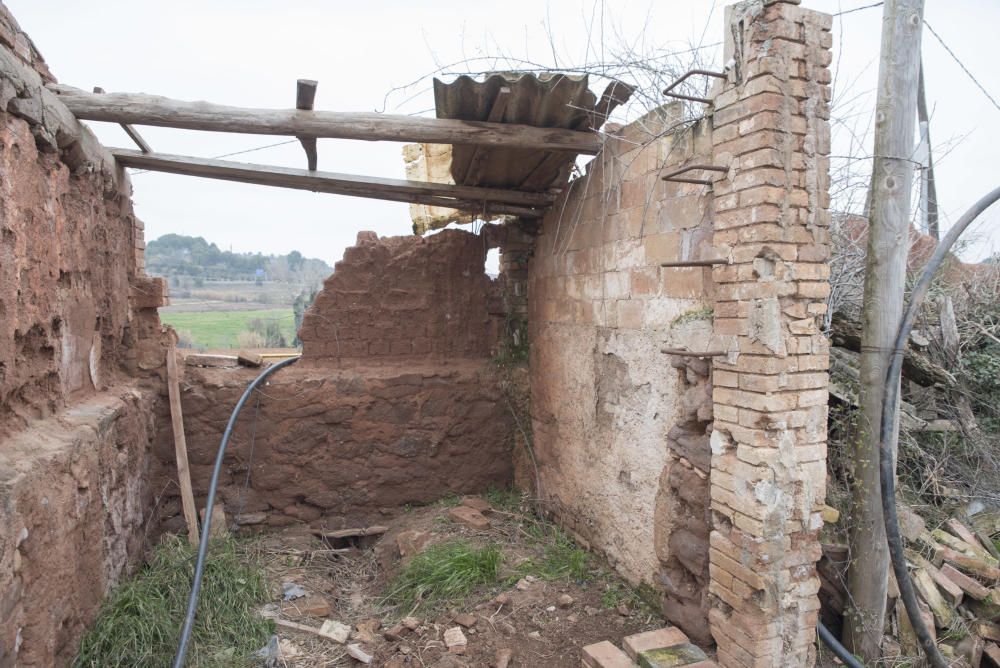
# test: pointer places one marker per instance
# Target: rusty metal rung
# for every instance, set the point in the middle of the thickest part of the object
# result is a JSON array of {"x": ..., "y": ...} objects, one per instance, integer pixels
[
  {"x": 692, "y": 353},
  {"x": 694, "y": 263},
  {"x": 707, "y": 73},
  {"x": 672, "y": 176}
]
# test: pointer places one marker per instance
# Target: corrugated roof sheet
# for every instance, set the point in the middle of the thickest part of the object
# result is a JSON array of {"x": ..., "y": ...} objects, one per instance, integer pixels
[{"x": 550, "y": 100}]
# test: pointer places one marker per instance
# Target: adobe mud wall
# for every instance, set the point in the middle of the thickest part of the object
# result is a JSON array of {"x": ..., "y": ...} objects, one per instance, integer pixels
[
  {"x": 620, "y": 430},
  {"x": 77, "y": 320},
  {"x": 394, "y": 401}
]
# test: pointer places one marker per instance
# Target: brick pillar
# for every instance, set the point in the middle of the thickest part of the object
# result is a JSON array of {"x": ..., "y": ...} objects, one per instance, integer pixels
[{"x": 770, "y": 125}]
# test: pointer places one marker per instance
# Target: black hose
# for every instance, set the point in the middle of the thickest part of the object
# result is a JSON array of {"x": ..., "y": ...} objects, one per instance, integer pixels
[
  {"x": 890, "y": 400},
  {"x": 206, "y": 526},
  {"x": 839, "y": 650}
]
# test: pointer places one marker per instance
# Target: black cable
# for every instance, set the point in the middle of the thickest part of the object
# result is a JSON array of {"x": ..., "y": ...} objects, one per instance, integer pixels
[
  {"x": 199, "y": 567},
  {"x": 887, "y": 428},
  {"x": 842, "y": 653}
]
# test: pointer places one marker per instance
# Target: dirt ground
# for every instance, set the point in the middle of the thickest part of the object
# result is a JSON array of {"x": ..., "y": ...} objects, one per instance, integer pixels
[{"x": 542, "y": 619}]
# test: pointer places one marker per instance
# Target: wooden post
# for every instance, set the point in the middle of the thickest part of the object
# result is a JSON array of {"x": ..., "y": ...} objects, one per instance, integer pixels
[
  {"x": 305, "y": 96},
  {"x": 180, "y": 447},
  {"x": 885, "y": 275}
]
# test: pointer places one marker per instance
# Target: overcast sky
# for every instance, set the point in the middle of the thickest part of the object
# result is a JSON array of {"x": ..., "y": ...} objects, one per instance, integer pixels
[{"x": 250, "y": 52}]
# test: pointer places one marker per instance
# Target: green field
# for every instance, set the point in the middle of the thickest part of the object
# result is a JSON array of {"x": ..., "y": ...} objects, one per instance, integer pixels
[{"x": 221, "y": 329}]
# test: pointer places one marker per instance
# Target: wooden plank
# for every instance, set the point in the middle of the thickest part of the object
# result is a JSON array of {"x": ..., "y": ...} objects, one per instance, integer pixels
[
  {"x": 249, "y": 358},
  {"x": 970, "y": 586},
  {"x": 943, "y": 613},
  {"x": 949, "y": 588},
  {"x": 165, "y": 112},
  {"x": 963, "y": 532},
  {"x": 220, "y": 361},
  {"x": 305, "y": 96},
  {"x": 180, "y": 447},
  {"x": 968, "y": 564},
  {"x": 374, "y": 530},
  {"x": 398, "y": 190}
]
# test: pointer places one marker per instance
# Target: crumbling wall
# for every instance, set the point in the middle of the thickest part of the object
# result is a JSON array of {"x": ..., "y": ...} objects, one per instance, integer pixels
[
  {"x": 704, "y": 480},
  {"x": 770, "y": 391},
  {"x": 404, "y": 298},
  {"x": 394, "y": 401},
  {"x": 68, "y": 247},
  {"x": 618, "y": 429},
  {"x": 77, "y": 319},
  {"x": 75, "y": 509}
]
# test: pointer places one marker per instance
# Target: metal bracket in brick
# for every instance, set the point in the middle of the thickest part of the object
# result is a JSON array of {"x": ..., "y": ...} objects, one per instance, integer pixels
[
  {"x": 675, "y": 175},
  {"x": 694, "y": 263},
  {"x": 690, "y": 73}
]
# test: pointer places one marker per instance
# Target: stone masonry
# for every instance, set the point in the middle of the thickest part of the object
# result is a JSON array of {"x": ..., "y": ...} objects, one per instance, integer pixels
[{"x": 770, "y": 126}]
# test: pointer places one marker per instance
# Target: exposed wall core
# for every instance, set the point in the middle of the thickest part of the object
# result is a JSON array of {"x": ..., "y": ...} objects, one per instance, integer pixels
[{"x": 618, "y": 427}]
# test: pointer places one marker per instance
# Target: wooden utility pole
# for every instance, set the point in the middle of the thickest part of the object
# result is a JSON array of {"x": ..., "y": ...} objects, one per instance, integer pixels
[
  {"x": 928, "y": 189},
  {"x": 885, "y": 276}
]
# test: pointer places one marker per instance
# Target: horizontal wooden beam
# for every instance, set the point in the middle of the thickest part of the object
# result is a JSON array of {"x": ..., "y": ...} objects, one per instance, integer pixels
[
  {"x": 144, "y": 109},
  {"x": 466, "y": 198}
]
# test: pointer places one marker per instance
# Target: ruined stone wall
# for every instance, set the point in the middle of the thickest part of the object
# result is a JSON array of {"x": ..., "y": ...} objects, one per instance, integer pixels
[
  {"x": 77, "y": 321},
  {"x": 619, "y": 430},
  {"x": 396, "y": 399},
  {"x": 770, "y": 392}
]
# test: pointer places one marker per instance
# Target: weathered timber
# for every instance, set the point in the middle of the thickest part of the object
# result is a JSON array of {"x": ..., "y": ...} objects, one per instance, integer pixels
[
  {"x": 375, "y": 530},
  {"x": 917, "y": 366},
  {"x": 471, "y": 198},
  {"x": 180, "y": 448},
  {"x": 305, "y": 96},
  {"x": 130, "y": 131},
  {"x": 165, "y": 112}
]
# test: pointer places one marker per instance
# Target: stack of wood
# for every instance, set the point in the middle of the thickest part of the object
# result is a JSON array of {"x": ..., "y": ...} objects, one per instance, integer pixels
[{"x": 956, "y": 572}]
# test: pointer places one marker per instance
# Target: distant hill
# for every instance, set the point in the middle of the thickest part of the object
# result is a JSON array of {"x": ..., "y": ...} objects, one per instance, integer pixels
[{"x": 176, "y": 255}]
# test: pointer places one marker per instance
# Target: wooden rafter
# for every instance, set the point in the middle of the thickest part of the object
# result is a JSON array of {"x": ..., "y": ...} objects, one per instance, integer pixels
[
  {"x": 466, "y": 198},
  {"x": 160, "y": 111}
]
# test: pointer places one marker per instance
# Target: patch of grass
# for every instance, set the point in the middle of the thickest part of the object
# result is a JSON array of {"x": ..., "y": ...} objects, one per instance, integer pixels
[
  {"x": 508, "y": 500},
  {"x": 221, "y": 329},
  {"x": 445, "y": 573},
  {"x": 450, "y": 500},
  {"x": 140, "y": 622},
  {"x": 561, "y": 557}
]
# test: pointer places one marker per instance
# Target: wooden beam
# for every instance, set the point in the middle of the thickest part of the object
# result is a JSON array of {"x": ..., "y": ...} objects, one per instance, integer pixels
[
  {"x": 180, "y": 447},
  {"x": 469, "y": 198},
  {"x": 160, "y": 111},
  {"x": 129, "y": 130},
  {"x": 305, "y": 96}
]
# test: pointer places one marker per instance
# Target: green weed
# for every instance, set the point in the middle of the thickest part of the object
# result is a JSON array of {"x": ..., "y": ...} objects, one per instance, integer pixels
[
  {"x": 561, "y": 557},
  {"x": 444, "y": 574},
  {"x": 139, "y": 624}
]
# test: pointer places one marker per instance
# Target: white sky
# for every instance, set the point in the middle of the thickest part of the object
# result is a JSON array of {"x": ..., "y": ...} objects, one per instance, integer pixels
[{"x": 250, "y": 52}]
